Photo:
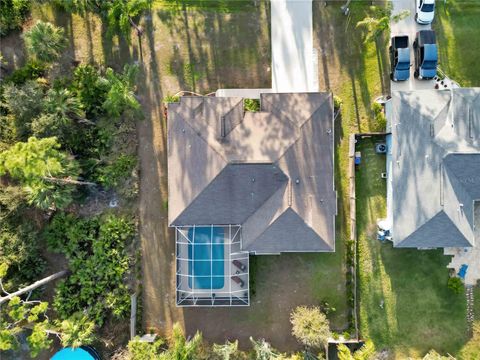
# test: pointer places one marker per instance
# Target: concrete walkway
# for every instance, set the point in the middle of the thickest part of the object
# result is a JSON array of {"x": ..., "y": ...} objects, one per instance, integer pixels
[
  {"x": 294, "y": 59},
  {"x": 408, "y": 26},
  {"x": 293, "y": 56}
]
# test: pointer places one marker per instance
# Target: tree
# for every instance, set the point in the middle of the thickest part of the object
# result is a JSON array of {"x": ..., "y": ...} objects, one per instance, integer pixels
[
  {"x": 375, "y": 26},
  {"x": 179, "y": 348},
  {"x": 121, "y": 96},
  {"x": 24, "y": 103},
  {"x": 76, "y": 331},
  {"x": 310, "y": 326},
  {"x": 121, "y": 13},
  {"x": 12, "y": 14},
  {"x": 47, "y": 173},
  {"x": 22, "y": 313},
  {"x": 66, "y": 107},
  {"x": 226, "y": 351},
  {"x": 19, "y": 313},
  {"x": 45, "y": 41},
  {"x": 366, "y": 352}
]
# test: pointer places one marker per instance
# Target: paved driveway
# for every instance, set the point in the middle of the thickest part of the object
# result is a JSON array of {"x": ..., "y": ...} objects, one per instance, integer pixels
[
  {"x": 408, "y": 27},
  {"x": 293, "y": 58}
]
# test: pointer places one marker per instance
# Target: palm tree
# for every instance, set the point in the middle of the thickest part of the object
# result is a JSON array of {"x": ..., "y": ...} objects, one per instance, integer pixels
[
  {"x": 263, "y": 350},
  {"x": 180, "y": 348},
  {"x": 227, "y": 350},
  {"x": 375, "y": 26},
  {"x": 65, "y": 106},
  {"x": 45, "y": 41},
  {"x": 121, "y": 95}
]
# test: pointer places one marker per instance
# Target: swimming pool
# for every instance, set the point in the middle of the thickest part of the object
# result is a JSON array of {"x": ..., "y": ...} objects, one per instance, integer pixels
[
  {"x": 206, "y": 258},
  {"x": 81, "y": 353}
]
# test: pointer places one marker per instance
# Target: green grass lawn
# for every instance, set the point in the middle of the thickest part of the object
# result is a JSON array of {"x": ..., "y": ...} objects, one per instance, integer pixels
[
  {"x": 458, "y": 30},
  {"x": 405, "y": 305}
]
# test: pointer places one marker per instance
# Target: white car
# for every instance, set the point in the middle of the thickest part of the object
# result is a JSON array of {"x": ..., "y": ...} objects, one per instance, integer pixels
[{"x": 425, "y": 11}]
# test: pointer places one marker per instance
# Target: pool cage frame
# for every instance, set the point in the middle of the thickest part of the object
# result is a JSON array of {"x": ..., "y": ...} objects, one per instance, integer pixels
[{"x": 232, "y": 294}]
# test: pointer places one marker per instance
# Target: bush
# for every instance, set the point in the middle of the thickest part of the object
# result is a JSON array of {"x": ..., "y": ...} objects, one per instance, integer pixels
[
  {"x": 456, "y": 285},
  {"x": 252, "y": 105},
  {"x": 171, "y": 99},
  {"x": 32, "y": 70},
  {"x": 379, "y": 117},
  {"x": 12, "y": 14},
  {"x": 90, "y": 88},
  {"x": 24, "y": 102},
  {"x": 19, "y": 250},
  {"x": 337, "y": 102},
  {"x": 98, "y": 261},
  {"x": 120, "y": 169},
  {"x": 310, "y": 326}
]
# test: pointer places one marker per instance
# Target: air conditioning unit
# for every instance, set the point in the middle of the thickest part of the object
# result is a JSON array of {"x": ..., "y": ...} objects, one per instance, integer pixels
[{"x": 381, "y": 148}]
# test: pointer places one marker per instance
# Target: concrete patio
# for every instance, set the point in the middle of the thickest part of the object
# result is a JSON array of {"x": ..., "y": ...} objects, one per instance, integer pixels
[{"x": 468, "y": 256}]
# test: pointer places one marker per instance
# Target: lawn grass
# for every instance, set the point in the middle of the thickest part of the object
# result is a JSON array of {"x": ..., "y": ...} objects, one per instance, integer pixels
[
  {"x": 405, "y": 305},
  {"x": 225, "y": 6},
  {"x": 458, "y": 31}
]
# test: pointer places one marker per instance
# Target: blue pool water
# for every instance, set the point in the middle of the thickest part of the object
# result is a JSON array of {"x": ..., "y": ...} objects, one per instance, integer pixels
[
  {"x": 73, "y": 354},
  {"x": 206, "y": 261}
]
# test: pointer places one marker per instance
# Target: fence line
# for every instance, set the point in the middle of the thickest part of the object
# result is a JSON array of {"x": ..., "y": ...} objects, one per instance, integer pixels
[{"x": 353, "y": 227}]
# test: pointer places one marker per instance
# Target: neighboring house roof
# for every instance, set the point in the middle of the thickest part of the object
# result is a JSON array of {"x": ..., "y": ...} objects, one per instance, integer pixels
[
  {"x": 436, "y": 167},
  {"x": 270, "y": 171}
]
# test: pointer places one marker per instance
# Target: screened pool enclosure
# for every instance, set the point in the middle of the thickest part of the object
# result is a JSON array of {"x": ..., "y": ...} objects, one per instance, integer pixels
[{"x": 212, "y": 270}]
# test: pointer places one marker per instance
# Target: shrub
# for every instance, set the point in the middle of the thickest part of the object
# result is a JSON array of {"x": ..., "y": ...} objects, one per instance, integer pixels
[
  {"x": 90, "y": 88},
  {"x": 171, "y": 99},
  {"x": 12, "y": 14},
  {"x": 337, "y": 102},
  {"x": 456, "y": 285},
  {"x": 310, "y": 326},
  {"x": 379, "y": 117},
  {"x": 95, "y": 249},
  {"x": 32, "y": 70},
  {"x": 252, "y": 105},
  {"x": 24, "y": 102},
  {"x": 120, "y": 169},
  {"x": 19, "y": 250}
]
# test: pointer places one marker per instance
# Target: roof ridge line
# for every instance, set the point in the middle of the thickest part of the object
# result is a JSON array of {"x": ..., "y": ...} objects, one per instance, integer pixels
[
  {"x": 426, "y": 222},
  {"x": 300, "y": 130},
  {"x": 301, "y": 219},
  {"x": 201, "y": 137},
  {"x": 419, "y": 113}
]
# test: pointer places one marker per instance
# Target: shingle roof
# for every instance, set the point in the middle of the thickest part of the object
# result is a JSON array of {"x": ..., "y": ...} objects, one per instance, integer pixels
[
  {"x": 436, "y": 167},
  {"x": 215, "y": 150}
]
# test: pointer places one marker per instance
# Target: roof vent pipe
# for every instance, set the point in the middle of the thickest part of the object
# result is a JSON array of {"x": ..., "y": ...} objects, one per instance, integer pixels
[{"x": 222, "y": 126}]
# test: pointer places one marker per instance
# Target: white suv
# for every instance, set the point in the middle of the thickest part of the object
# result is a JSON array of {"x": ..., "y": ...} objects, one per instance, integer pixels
[{"x": 424, "y": 11}]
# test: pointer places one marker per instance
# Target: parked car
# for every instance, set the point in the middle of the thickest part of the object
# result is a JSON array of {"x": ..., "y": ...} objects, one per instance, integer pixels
[
  {"x": 399, "y": 58},
  {"x": 426, "y": 55},
  {"x": 425, "y": 11}
]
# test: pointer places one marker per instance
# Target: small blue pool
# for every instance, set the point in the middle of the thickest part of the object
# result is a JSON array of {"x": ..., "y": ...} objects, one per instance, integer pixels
[
  {"x": 81, "y": 353},
  {"x": 206, "y": 258}
]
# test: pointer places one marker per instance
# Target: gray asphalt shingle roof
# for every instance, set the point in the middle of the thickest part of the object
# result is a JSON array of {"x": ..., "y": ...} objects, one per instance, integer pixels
[
  {"x": 436, "y": 167},
  {"x": 269, "y": 171}
]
